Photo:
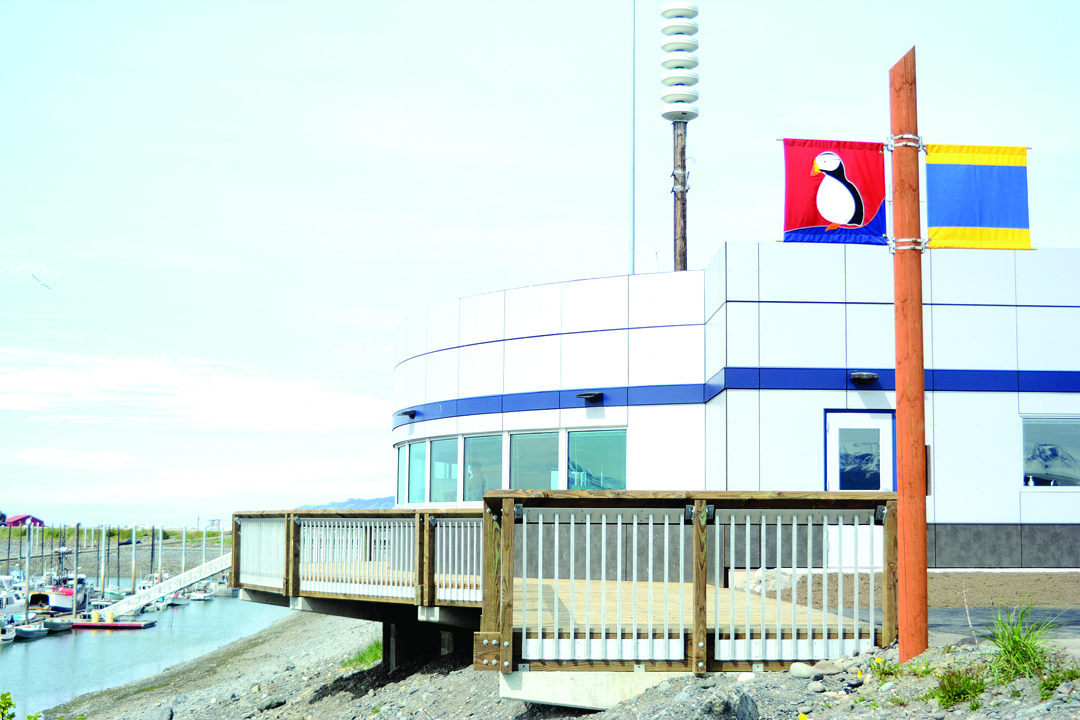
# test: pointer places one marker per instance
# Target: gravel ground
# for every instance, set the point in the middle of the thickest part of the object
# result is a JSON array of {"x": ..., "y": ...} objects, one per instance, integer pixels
[{"x": 293, "y": 670}]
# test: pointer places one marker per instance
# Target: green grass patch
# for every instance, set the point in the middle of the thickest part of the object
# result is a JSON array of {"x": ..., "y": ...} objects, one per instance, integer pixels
[
  {"x": 919, "y": 668},
  {"x": 364, "y": 658},
  {"x": 886, "y": 670},
  {"x": 1057, "y": 671},
  {"x": 959, "y": 685},
  {"x": 1021, "y": 644}
]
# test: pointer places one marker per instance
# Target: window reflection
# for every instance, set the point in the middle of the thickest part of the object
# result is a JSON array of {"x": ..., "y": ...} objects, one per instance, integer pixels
[
  {"x": 417, "y": 471},
  {"x": 534, "y": 461},
  {"x": 483, "y": 465},
  {"x": 1052, "y": 452},
  {"x": 403, "y": 473},
  {"x": 444, "y": 470},
  {"x": 860, "y": 458},
  {"x": 596, "y": 460}
]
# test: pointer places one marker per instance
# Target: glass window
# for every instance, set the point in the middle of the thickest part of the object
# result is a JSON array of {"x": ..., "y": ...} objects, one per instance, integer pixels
[
  {"x": 1052, "y": 452},
  {"x": 860, "y": 458},
  {"x": 403, "y": 474},
  {"x": 483, "y": 465},
  {"x": 417, "y": 471},
  {"x": 444, "y": 470},
  {"x": 597, "y": 460},
  {"x": 534, "y": 461}
]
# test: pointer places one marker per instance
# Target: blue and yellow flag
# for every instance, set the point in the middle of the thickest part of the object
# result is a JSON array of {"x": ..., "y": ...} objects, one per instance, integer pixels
[{"x": 976, "y": 197}]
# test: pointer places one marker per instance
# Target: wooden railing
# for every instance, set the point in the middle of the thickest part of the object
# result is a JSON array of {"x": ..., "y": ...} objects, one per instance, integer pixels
[
  {"x": 684, "y": 581},
  {"x": 429, "y": 557}
]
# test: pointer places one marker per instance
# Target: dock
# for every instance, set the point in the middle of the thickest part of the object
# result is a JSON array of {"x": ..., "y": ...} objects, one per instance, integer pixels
[{"x": 115, "y": 625}]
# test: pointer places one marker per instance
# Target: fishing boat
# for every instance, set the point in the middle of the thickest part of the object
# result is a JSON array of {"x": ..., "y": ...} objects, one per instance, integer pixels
[
  {"x": 7, "y": 634},
  {"x": 31, "y": 632},
  {"x": 11, "y": 600},
  {"x": 68, "y": 595},
  {"x": 203, "y": 593}
]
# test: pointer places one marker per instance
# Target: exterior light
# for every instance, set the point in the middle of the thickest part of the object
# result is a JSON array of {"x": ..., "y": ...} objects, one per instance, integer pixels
[
  {"x": 406, "y": 413},
  {"x": 591, "y": 397},
  {"x": 863, "y": 378}
]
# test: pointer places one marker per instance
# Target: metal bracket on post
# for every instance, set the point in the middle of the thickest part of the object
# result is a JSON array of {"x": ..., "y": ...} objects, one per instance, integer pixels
[
  {"x": 519, "y": 511},
  {"x": 432, "y": 521},
  {"x": 913, "y": 141},
  {"x": 710, "y": 513},
  {"x": 919, "y": 244},
  {"x": 688, "y": 514},
  {"x": 880, "y": 513}
]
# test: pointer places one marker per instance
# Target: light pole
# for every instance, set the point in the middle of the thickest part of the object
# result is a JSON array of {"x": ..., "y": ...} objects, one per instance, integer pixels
[{"x": 678, "y": 79}]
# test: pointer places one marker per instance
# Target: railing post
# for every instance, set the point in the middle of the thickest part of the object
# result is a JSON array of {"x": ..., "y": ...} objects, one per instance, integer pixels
[
  {"x": 234, "y": 573},
  {"x": 428, "y": 581},
  {"x": 890, "y": 615},
  {"x": 698, "y": 655},
  {"x": 292, "y": 556},
  {"x": 506, "y": 588},
  {"x": 418, "y": 558}
]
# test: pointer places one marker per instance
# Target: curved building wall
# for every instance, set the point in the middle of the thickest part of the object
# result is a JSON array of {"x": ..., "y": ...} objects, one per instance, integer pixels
[{"x": 513, "y": 363}]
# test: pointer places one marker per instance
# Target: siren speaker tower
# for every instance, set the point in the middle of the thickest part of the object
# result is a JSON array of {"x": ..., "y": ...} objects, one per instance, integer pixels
[{"x": 678, "y": 78}]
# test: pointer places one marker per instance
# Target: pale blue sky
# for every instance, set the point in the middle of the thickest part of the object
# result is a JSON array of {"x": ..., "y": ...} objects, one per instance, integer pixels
[{"x": 235, "y": 203}]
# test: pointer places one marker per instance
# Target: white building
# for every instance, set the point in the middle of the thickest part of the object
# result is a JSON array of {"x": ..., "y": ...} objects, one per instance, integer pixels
[{"x": 739, "y": 377}]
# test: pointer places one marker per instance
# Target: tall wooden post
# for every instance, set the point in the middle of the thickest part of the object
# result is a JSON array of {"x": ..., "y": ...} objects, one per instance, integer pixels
[
  {"x": 679, "y": 188},
  {"x": 910, "y": 387}
]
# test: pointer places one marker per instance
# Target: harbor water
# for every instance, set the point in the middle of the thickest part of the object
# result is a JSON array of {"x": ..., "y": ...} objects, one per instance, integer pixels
[{"x": 45, "y": 673}]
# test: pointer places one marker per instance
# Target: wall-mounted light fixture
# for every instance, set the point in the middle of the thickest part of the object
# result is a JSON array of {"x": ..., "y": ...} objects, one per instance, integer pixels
[
  {"x": 591, "y": 397},
  {"x": 863, "y": 378},
  {"x": 406, "y": 413}
]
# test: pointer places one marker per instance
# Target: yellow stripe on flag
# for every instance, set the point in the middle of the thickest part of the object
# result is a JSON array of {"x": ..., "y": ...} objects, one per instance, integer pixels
[
  {"x": 981, "y": 238},
  {"x": 976, "y": 155}
]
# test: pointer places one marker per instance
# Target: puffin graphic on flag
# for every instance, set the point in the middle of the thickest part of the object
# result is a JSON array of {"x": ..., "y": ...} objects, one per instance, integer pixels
[{"x": 835, "y": 192}]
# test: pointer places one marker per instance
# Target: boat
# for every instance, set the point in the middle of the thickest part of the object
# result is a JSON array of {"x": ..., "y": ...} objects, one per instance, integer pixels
[
  {"x": 56, "y": 625},
  {"x": 177, "y": 599},
  {"x": 203, "y": 592},
  {"x": 11, "y": 600},
  {"x": 31, "y": 632},
  {"x": 69, "y": 592},
  {"x": 7, "y": 634},
  {"x": 114, "y": 593}
]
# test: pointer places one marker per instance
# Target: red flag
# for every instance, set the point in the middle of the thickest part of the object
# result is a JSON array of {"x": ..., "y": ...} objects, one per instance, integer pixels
[{"x": 834, "y": 192}]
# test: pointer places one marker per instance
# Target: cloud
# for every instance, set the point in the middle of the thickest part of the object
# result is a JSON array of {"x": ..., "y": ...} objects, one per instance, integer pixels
[
  {"x": 70, "y": 458},
  {"x": 195, "y": 392}
]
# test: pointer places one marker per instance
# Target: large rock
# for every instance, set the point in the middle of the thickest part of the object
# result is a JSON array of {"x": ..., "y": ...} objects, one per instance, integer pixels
[
  {"x": 801, "y": 670},
  {"x": 731, "y": 705},
  {"x": 274, "y": 701}
]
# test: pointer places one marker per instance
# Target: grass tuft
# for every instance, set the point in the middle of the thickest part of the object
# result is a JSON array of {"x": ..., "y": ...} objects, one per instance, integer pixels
[
  {"x": 364, "y": 658},
  {"x": 920, "y": 668},
  {"x": 1021, "y": 644},
  {"x": 959, "y": 685},
  {"x": 885, "y": 670}
]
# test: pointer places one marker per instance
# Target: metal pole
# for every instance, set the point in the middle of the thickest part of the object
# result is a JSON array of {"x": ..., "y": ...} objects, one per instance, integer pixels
[
  {"x": 204, "y": 545},
  {"x": 183, "y": 551},
  {"x": 75, "y": 594},
  {"x": 679, "y": 189},
  {"x": 134, "y": 540},
  {"x": 633, "y": 127},
  {"x": 910, "y": 382},
  {"x": 161, "y": 551}
]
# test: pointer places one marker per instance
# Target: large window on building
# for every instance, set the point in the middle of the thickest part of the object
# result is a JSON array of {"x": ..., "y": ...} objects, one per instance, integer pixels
[
  {"x": 483, "y": 465},
  {"x": 444, "y": 470},
  {"x": 403, "y": 474},
  {"x": 417, "y": 472},
  {"x": 534, "y": 461},
  {"x": 596, "y": 460},
  {"x": 1051, "y": 452}
]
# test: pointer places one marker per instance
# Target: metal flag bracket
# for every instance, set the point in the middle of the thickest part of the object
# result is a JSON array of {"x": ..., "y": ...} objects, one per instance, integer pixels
[
  {"x": 914, "y": 141},
  {"x": 920, "y": 244}
]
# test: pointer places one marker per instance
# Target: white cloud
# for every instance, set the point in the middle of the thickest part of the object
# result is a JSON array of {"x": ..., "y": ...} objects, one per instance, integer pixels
[{"x": 196, "y": 392}]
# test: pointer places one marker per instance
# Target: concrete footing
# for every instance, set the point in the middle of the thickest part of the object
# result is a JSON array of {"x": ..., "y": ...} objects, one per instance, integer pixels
[{"x": 589, "y": 690}]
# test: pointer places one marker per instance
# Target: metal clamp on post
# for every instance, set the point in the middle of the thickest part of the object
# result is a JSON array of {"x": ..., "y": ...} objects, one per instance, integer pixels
[
  {"x": 912, "y": 141},
  {"x": 919, "y": 244}
]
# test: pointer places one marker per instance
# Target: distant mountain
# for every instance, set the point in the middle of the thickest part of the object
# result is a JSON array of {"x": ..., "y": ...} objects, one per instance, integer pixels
[
  {"x": 383, "y": 503},
  {"x": 1051, "y": 465},
  {"x": 860, "y": 471}
]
